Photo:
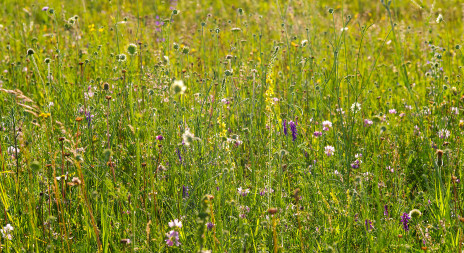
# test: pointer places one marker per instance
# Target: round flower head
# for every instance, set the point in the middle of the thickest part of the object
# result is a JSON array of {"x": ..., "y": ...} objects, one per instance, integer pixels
[
  {"x": 30, "y": 51},
  {"x": 132, "y": 49},
  {"x": 415, "y": 213},
  {"x": 122, "y": 57},
  {"x": 178, "y": 87},
  {"x": 329, "y": 150},
  {"x": 188, "y": 137}
]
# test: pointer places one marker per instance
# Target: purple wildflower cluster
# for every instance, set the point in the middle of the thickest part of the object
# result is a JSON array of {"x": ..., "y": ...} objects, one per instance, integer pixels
[{"x": 405, "y": 219}]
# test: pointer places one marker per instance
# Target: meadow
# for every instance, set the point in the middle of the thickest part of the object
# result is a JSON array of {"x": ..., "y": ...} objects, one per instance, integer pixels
[{"x": 231, "y": 126}]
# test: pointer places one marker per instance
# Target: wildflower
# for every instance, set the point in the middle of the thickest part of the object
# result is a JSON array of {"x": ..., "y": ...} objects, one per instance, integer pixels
[
  {"x": 178, "y": 87},
  {"x": 12, "y": 151},
  {"x": 293, "y": 129},
  {"x": 439, "y": 18},
  {"x": 243, "y": 211},
  {"x": 175, "y": 223},
  {"x": 303, "y": 43},
  {"x": 160, "y": 137},
  {"x": 405, "y": 219},
  {"x": 284, "y": 124},
  {"x": 329, "y": 150},
  {"x": 415, "y": 213},
  {"x": 390, "y": 169},
  {"x": 326, "y": 125},
  {"x": 185, "y": 191},
  {"x": 173, "y": 238},
  {"x": 132, "y": 49},
  {"x": 188, "y": 137},
  {"x": 455, "y": 110},
  {"x": 178, "y": 155},
  {"x": 317, "y": 133},
  {"x": 45, "y": 8},
  {"x": 6, "y": 232},
  {"x": 385, "y": 210},
  {"x": 392, "y": 111},
  {"x": 356, "y": 107},
  {"x": 344, "y": 29},
  {"x": 368, "y": 224},
  {"x": 356, "y": 164},
  {"x": 243, "y": 192},
  {"x": 209, "y": 225},
  {"x": 444, "y": 134},
  {"x": 122, "y": 58}
]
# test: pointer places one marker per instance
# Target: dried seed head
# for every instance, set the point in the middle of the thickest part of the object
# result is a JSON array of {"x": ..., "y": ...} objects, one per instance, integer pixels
[
  {"x": 272, "y": 210},
  {"x": 108, "y": 97},
  {"x": 78, "y": 119},
  {"x": 76, "y": 180},
  {"x": 400, "y": 236},
  {"x": 125, "y": 241},
  {"x": 61, "y": 139}
]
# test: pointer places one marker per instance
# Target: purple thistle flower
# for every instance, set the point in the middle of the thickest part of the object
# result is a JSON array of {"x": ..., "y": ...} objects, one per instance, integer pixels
[
  {"x": 293, "y": 129},
  {"x": 385, "y": 210},
  {"x": 45, "y": 8},
  {"x": 317, "y": 133},
  {"x": 160, "y": 137},
  {"x": 284, "y": 123},
  {"x": 405, "y": 219}
]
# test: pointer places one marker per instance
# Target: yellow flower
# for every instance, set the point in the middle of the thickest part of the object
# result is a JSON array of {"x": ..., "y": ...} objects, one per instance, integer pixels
[{"x": 44, "y": 115}]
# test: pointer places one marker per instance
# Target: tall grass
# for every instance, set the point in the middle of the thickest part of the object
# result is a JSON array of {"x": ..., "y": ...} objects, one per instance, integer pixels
[{"x": 281, "y": 126}]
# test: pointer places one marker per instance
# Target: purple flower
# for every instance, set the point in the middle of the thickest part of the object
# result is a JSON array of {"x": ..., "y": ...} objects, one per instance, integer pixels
[
  {"x": 160, "y": 137},
  {"x": 45, "y": 8},
  {"x": 385, "y": 210},
  {"x": 173, "y": 238},
  {"x": 210, "y": 225},
  {"x": 368, "y": 122},
  {"x": 284, "y": 123},
  {"x": 368, "y": 224},
  {"x": 185, "y": 191},
  {"x": 293, "y": 129},
  {"x": 89, "y": 118},
  {"x": 317, "y": 133},
  {"x": 405, "y": 219},
  {"x": 178, "y": 154}
]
